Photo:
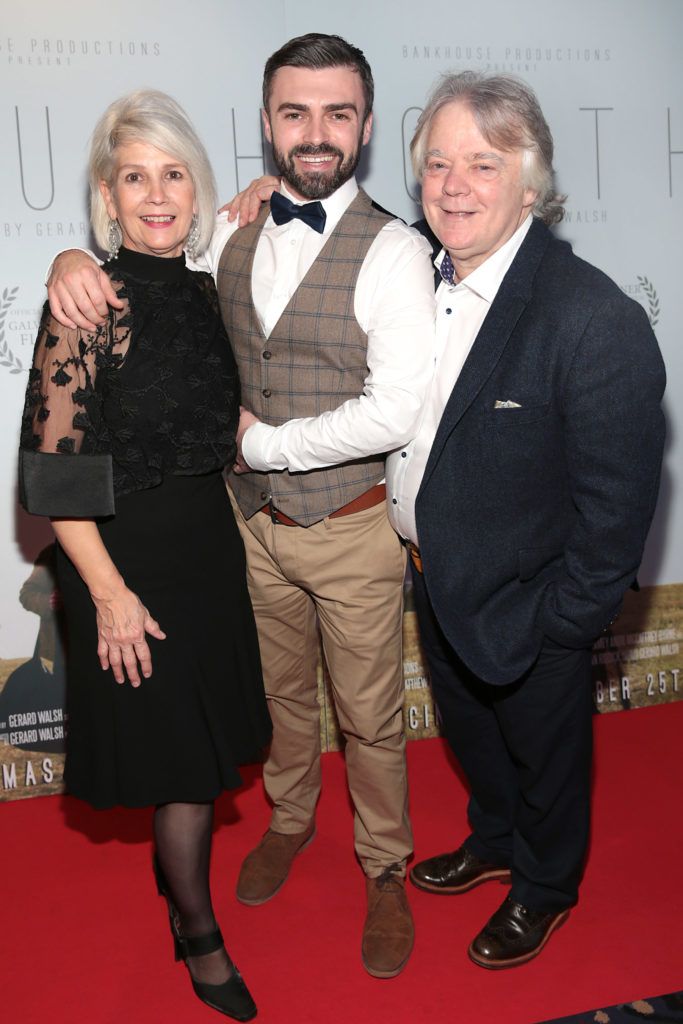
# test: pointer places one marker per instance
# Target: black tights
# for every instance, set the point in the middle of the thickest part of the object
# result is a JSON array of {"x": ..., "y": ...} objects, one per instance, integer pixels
[{"x": 182, "y": 836}]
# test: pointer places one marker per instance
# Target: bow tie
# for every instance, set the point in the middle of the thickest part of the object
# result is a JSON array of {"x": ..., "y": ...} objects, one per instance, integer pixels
[{"x": 282, "y": 211}]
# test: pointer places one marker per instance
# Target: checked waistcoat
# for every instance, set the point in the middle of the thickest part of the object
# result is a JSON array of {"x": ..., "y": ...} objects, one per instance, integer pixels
[{"x": 314, "y": 359}]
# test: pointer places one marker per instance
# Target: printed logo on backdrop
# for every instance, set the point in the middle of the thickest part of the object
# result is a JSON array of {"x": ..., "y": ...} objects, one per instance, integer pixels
[
  {"x": 34, "y": 187},
  {"x": 503, "y": 58},
  {"x": 8, "y": 359},
  {"x": 250, "y": 149},
  {"x": 60, "y": 52},
  {"x": 644, "y": 292},
  {"x": 50, "y": 163}
]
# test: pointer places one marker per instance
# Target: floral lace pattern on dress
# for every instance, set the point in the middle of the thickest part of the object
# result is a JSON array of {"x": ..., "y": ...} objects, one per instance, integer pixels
[{"x": 155, "y": 387}]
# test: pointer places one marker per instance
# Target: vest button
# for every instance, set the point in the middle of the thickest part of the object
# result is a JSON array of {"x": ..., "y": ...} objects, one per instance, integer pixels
[
  {"x": 267, "y": 354},
  {"x": 266, "y": 392},
  {"x": 264, "y": 495}
]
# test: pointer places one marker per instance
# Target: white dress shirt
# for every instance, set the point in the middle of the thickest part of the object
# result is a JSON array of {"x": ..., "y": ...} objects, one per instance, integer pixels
[
  {"x": 460, "y": 311},
  {"x": 393, "y": 304}
]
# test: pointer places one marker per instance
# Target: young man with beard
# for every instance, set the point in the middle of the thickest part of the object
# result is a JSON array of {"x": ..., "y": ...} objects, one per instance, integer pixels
[{"x": 328, "y": 301}]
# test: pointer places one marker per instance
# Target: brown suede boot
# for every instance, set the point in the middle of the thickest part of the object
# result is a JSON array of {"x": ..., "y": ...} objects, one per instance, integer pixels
[
  {"x": 389, "y": 933},
  {"x": 265, "y": 869}
]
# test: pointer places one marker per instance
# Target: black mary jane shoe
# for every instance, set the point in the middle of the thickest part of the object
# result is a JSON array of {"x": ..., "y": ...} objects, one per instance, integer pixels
[{"x": 231, "y": 997}]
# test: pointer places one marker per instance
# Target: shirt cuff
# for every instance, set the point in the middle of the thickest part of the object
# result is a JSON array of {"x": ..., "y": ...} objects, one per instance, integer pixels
[
  {"x": 66, "y": 486},
  {"x": 254, "y": 443}
]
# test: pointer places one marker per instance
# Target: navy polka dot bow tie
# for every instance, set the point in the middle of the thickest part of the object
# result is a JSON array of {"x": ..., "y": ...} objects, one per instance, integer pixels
[{"x": 282, "y": 211}]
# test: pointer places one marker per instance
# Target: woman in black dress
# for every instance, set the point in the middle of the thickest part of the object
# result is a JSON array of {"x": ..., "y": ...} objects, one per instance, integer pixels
[{"x": 125, "y": 434}]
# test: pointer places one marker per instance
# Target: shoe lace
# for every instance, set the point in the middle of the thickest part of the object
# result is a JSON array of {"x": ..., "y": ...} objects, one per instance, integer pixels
[{"x": 388, "y": 878}]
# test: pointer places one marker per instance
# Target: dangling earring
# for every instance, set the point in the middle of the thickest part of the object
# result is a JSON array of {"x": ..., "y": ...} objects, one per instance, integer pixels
[
  {"x": 193, "y": 238},
  {"x": 114, "y": 238}
]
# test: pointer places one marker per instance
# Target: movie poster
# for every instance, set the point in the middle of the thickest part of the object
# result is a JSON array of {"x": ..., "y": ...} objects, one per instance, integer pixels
[
  {"x": 33, "y": 694},
  {"x": 636, "y": 664}
]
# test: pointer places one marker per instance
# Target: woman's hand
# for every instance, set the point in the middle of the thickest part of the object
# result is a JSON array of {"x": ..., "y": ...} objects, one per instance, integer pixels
[
  {"x": 122, "y": 622},
  {"x": 122, "y": 619}
]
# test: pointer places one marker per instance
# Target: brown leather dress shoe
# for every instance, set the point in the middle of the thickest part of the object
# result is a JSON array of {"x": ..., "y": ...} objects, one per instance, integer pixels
[
  {"x": 389, "y": 933},
  {"x": 453, "y": 873},
  {"x": 514, "y": 935},
  {"x": 265, "y": 869}
]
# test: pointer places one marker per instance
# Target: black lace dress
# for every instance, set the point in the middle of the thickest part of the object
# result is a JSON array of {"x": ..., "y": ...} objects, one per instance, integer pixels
[{"x": 131, "y": 426}]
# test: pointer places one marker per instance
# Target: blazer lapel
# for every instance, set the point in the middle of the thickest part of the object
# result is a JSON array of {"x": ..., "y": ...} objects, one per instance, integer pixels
[{"x": 507, "y": 307}]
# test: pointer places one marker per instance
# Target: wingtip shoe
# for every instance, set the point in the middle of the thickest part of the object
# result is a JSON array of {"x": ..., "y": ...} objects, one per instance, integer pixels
[
  {"x": 453, "y": 873},
  {"x": 514, "y": 935}
]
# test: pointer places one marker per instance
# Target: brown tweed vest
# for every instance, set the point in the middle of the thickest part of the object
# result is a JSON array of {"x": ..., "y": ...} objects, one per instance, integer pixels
[{"x": 314, "y": 360}]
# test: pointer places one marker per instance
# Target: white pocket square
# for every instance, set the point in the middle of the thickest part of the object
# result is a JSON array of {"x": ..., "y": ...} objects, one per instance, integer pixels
[{"x": 507, "y": 404}]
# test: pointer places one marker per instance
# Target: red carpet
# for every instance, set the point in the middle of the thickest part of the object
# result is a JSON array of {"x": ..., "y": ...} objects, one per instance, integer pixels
[{"x": 84, "y": 937}]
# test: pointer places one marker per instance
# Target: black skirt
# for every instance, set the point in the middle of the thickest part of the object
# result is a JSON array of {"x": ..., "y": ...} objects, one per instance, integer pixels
[{"x": 181, "y": 733}]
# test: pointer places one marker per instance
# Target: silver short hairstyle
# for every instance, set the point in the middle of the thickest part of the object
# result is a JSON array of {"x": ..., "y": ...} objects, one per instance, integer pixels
[
  {"x": 155, "y": 118},
  {"x": 509, "y": 117}
]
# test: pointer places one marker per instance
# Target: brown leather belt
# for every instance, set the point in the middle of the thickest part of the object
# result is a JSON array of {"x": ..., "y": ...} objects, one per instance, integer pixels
[
  {"x": 368, "y": 499},
  {"x": 415, "y": 556}
]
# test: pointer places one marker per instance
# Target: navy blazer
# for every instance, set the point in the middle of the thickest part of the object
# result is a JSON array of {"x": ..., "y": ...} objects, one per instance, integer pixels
[{"x": 532, "y": 520}]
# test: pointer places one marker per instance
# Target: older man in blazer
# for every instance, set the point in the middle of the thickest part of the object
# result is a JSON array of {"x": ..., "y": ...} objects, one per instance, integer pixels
[{"x": 526, "y": 498}]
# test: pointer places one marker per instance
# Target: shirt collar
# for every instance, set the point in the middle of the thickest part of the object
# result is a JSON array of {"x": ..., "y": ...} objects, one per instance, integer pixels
[
  {"x": 487, "y": 278},
  {"x": 334, "y": 206}
]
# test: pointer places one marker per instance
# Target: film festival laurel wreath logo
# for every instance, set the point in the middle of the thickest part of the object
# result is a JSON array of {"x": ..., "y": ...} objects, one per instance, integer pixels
[
  {"x": 652, "y": 299},
  {"x": 7, "y": 357}
]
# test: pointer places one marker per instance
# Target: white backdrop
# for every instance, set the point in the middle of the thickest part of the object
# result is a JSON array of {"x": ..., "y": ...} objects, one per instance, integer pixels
[{"x": 607, "y": 74}]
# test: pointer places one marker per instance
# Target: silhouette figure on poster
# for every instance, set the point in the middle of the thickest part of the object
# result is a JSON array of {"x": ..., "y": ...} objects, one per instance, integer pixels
[{"x": 36, "y": 690}]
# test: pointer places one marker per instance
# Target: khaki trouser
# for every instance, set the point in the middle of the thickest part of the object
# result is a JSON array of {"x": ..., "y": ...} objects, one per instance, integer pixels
[{"x": 349, "y": 570}]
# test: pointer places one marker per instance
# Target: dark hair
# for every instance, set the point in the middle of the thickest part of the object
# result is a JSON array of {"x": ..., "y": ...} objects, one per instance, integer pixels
[{"x": 317, "y": 51}]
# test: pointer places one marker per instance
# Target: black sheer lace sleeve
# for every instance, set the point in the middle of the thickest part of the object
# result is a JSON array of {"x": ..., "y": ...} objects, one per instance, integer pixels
[
  {"x": 65, "y": 468},
  {"x": 152, "y": 392}
]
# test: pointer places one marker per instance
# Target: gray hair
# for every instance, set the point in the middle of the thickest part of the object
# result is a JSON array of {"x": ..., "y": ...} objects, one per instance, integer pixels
[
  {"x": 509, "y": 117},
  {"x": 155, "y": 118}
]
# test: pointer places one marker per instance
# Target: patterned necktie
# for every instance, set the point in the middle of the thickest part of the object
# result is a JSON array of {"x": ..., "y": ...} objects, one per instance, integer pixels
[
  {"x": 282, "y": 211},
  {"x": 447, "y": 270}
]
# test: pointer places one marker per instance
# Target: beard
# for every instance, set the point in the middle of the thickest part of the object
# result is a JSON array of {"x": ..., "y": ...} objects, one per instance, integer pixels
[{"x": 316, "y": 185}]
